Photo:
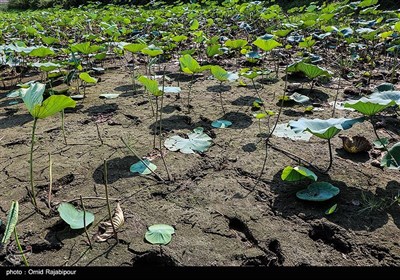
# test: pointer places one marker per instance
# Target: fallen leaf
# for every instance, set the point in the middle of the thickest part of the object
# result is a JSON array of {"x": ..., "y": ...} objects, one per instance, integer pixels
[{"x": 105, "y": 230}]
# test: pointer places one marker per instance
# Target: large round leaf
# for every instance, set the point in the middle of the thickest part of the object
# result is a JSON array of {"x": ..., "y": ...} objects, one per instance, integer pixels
[
  {"x": 318, "y": 191},
  {"x": 198, "y": 141},
  {"x": 41, "y": 52},
  {"x": 74, "y": 217},
  {"x": 52, "y": 105},
  {"x": 133, "y": 48},
  {"x": 325, "y": 129},
  {"x": 33, "y": 95},
  {"x": 150, "y": 85},
  {"x": 384, "y": 87},
  {"x": 292, "y": 174},
  {"x": 159, "y": 234},
  {"x": 266, "y": 45},
  {"x": 369, "y": 106},
  {"x": 283, "y": 130},
  {"x": 387, "y": 95}
]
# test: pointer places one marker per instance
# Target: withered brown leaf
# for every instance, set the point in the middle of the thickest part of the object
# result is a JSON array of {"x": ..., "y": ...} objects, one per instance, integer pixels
[{"x": 105, "y": 230}]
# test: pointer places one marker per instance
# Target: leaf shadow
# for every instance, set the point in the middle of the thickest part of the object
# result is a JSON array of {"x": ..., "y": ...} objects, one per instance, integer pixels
[
  {"x": 118, "y": 168},
  {"x": 347, "y": 215}
]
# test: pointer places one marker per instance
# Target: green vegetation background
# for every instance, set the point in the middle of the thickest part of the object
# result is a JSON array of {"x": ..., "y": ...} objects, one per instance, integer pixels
[{"x": 286, "y": 4}]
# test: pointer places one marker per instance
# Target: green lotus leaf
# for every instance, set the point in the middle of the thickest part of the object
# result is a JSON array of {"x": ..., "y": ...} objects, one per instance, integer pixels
[
  {"x": 85, "y": 48},
  {"x": 331, "y": 210},
  {"x": 384, "y": 87},
  {"x": 150, "y": 85},
  {"x": 141, "y": 168},
  {"x": 179, "y": 38},
  {"x": 189, "y": 65},
  {"x": 47, "y": 67},
  {"x": 299, "y": 98},
  {"x": 391, "y": 159},
  {"x": 50, "y": 40},
  {"x": 12, "y": 220},
  {"x": 213, "y": 50},
  {"x": 222, "y": 75},
  {"x": 52, "y": 105},
  {"x": 266, "y": 45},
  {"x": 33, "y": 96},
  {"x": 134, "y": 48},
  {"x": 152, "y": 51},
  {"x": 292, "y": 174},
  {"x": 159, "y": 234},
  {"x": 41, "y": 52},
  {"x": 387, "y": 95},
  {"x": 221, "y": 124},
  {"x": 74, "y": 217},
  {"x": 236, "y": 44},
  {"x": 318, "y": 191},
  {"x": 369, "y": 106},
  {"x": 380, "y": 143},
  {"x": 325, "y": 129},
  {"x": 198, "y": 141},
  {"x": 84, "y": 76},
  {"x": 312, "y": 71},
  {"x": 194, "y": 25},
  {"x": 284, "y": 130}
]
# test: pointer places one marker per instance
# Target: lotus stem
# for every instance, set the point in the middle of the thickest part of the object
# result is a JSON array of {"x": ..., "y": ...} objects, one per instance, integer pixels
[
  {"x": 20, "y": 248},
  {"x": 63, "y": 127},
  {"x": 272, "y": 131},
  {"x": 160, "y": 135},
  {"x": 220, "y": 98},
  {"x": 383, "y": 144},
  {"x": 84, "y": 222},
  {"x": 108, "y": 201},
  {"x": 155, "y": 125},
  {"x": 330, "y": 157},
  {"x": 190, "y": 90},
  {"x": 50, "y": 180},
  {"x": 32, "y": 192}
]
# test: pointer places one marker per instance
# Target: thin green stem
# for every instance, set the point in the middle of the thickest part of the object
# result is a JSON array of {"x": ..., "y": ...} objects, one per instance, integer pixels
[
  {"x": 84, "y": 222},
  {"x": 330, "y": 157},
  {"x": 190, "y": 90},
  {"x": 160, "y": 135},
  {"x": 155, "y": 126},
  {"x": 20, "y": 248},
  {"x": 63, "y": 127},
  {"x": 33, "y": 196},
  {"x": 107, "y": 200},
  {"x": 383, "y": 144},
  {"x": 220, "y": 98},
  {"x": 50, "y": 180}
]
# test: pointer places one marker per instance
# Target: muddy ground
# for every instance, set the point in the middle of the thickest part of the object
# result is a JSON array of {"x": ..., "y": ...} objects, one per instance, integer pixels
[{"x": 222, "y": 216}]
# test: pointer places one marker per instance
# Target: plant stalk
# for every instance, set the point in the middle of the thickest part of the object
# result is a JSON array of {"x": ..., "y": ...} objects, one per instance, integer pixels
[
  {"x": 20, "y": 248},
  {"x": 33, "y": 197},
  {"x": 84, "y": 222},
  {"x": 108, "y": 201},
  {"x": 50, "y": 180}
]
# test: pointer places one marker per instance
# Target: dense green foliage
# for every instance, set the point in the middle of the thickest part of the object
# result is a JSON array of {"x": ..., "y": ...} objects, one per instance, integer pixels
[{"x": 285, "y": 4}]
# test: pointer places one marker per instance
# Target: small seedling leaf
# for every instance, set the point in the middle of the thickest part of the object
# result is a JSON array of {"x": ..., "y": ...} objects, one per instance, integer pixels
[
  {"x": 141, "y": 168},
  {"x": 331, "y": 210},
  {"x": 74, "y": 217},
  {"x": 159, "y": 234},
  {"x": 292, "y": 174},
  {"x": 221, "y": 124}
]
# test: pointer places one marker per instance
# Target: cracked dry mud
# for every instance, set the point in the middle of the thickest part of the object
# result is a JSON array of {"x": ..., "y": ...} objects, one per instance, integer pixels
[{"x": 221, "y": 217}]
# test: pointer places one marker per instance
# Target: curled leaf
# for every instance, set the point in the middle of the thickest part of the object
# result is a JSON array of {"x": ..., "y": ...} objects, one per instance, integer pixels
[{"x": 105, "y": 230}]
